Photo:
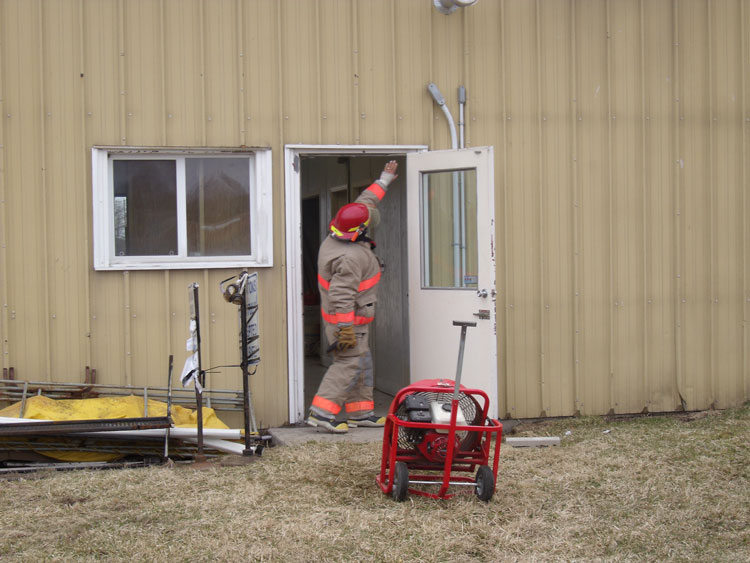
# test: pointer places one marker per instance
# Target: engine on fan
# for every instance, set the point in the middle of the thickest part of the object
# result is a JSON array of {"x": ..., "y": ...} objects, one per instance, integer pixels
[{"x": 434, "y": 445}]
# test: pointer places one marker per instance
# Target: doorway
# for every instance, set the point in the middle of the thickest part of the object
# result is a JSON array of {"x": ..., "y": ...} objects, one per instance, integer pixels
[{"x": 322, "y": 180}]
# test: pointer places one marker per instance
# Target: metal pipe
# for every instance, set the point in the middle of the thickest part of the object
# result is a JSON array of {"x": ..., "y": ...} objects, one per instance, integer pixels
[
  {"x": 440, "y": 101},
  {"x": 199, "y": 380},
  {"x": 188, "y": 402},
  {"x": 245, "y": 373},
  {"x": 89, "y": 427},
  {"x": 26, "y": 426},
  {"x": 48, "y": 386},
  {"x": 23, "y": 397},
  {"x": 459, "y": 368},
  {"x": 462, "y": 176},
  {"x": 461, "y": 123},
  {"x": 60, "y": 392},
  {"x": 169, "y": 404},
  {"x": 451, "y": 483}
]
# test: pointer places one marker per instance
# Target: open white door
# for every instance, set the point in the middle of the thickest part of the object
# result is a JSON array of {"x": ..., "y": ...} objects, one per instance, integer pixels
[{"x": 451, "y": 231}]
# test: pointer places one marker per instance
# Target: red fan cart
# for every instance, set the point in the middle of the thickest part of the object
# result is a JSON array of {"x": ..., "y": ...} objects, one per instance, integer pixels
[{"x": 437, "y": 431}]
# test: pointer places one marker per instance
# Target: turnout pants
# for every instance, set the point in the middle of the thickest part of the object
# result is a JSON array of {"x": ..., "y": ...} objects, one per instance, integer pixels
[{"x": 348, "y": 382}]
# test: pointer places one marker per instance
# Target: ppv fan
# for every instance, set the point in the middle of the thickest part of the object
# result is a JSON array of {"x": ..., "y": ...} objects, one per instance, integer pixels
[{"x": 439, "y": 428}]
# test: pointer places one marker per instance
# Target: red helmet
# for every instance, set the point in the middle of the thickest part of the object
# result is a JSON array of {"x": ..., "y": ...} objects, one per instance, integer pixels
[{"x": 350, "y": 222}]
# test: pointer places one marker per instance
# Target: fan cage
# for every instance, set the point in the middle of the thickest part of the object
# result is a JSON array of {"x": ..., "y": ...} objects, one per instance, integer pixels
[{"x": 408, "y": 438}]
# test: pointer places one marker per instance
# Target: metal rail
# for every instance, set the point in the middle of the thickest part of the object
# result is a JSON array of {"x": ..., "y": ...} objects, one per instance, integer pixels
[
  {"x": 16, "y": 390},
  {"x": 13, "y": 468},
  {"x": 452, "y": 483},
  {"x": 55, "y": 427},
  {"x": 73, "y": 443}
]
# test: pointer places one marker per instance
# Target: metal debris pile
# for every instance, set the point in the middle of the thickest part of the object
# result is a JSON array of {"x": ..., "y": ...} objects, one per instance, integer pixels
[
  {"x": 38, "y": 432},
  {"x": 94, "y": 425}
]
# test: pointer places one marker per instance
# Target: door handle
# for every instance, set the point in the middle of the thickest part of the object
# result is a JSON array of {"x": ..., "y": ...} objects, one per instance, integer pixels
[{"x": 482, "y": 293}]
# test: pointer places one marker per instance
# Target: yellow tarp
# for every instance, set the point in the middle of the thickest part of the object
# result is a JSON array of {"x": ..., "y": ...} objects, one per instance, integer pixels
[{"x": 44, "y": 408}]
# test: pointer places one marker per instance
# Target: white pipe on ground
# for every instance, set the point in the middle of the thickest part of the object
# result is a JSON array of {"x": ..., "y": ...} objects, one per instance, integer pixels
[{"x": 220, "y": 445}]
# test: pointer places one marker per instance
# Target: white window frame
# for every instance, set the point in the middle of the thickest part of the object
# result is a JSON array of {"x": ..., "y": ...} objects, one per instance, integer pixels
[{"x": 261, "y": 209}]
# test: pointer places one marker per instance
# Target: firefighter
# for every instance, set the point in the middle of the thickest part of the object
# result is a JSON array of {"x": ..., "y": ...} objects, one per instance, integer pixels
[{"x": 348, "y": 275}]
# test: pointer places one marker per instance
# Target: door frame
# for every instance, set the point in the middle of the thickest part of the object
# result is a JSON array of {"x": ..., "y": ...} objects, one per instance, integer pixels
[{"x": 293, "y": 235}]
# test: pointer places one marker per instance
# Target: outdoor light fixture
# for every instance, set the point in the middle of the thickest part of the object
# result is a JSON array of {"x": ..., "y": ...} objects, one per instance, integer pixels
[{"x": 449, "y": 6}]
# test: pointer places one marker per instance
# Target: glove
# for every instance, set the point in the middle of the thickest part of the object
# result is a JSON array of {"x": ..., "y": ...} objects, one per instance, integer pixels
[
  {"x": 345, "y": 338},
  {"x": 386, "y": 178},
  {"x": 388, "y": 174}
]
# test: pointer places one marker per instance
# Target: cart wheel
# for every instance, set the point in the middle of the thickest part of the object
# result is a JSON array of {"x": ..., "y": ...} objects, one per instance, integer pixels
[
  {"x": 400, "y": 481},
  {"x": 485, "y": 487}
]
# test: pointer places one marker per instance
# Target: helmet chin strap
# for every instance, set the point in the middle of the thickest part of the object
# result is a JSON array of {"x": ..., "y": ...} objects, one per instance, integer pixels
[
  {"x": 361, "y": 236},
  {"x": 364, "y": 238}
]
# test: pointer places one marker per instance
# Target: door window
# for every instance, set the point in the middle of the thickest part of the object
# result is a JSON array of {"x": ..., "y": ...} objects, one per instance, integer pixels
[{"x": 449, "y": 229}]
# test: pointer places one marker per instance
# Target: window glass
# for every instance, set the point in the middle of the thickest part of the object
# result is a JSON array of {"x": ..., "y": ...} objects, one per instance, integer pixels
[
  {"x": 449, "y": 229},
  {"x": 218, "y": 206},
  {"x": 145, "y": 211}
]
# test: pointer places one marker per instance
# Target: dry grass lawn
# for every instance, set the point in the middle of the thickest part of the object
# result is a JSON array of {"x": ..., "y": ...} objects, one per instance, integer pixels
[{"x": 651, "y": 489}]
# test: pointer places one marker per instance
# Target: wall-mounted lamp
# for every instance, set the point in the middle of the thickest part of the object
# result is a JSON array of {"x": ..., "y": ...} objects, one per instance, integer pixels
[{"x": 450, "y": 6}]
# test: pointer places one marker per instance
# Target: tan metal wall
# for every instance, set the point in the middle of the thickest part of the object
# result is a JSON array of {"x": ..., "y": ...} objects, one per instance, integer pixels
[{"x": 621, "y": 132}]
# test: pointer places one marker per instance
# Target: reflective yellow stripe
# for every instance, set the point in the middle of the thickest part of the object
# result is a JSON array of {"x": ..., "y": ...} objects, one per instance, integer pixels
[
  {"x": 326, "y": 405},
  {"x": 360, "y": 406},
  {"x": 365, "y": 285},
  {"x": 350, "y": 317},
  {"x": 378, "y": 190},
  {"x": 369, "y": 283},
  {"x": 337, "y": 318}
]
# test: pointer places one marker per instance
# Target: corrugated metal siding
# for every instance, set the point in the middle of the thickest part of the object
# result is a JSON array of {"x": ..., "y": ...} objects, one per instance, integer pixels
[{"x": 622, "y": 144}]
